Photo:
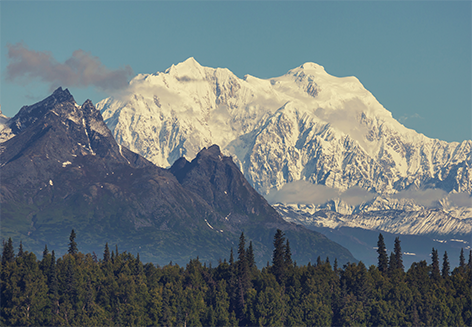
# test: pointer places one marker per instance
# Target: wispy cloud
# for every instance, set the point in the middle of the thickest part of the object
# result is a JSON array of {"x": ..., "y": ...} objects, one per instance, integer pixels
[
  {"x": 426, "y": 197},
  {"x": 356, "y": 195},
  {"x": 460, "y": 199},
  {"x": 80, "y": 70},
  {"x": 432, "y": 197},
  {"x": 304, "y": 192}
]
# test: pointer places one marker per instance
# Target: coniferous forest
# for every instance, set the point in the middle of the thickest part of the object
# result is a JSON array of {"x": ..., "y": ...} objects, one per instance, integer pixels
[{"x": 116, "y": 288}]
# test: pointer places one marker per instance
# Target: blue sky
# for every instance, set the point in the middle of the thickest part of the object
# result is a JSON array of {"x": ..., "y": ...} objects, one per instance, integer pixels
[{"x": 415, "y": 57}]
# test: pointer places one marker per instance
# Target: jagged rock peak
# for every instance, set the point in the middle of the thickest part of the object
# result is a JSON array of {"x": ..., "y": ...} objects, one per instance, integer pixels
[
  {"x": 62, "y": 95},
  {"x": 212, "y": 154},
  {"x": 213, "y": 150},
  {"x": 59, "y": 102},
  {"x": 88, "y": 103}
]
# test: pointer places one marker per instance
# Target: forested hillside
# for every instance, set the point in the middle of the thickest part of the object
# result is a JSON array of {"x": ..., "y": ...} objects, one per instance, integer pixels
[{"x": 118, "y": 289}]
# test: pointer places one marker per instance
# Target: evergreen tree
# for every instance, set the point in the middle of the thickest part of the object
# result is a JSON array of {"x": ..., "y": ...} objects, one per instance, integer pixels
[
  {"x": 240, "y": 303},
  {"x": 278, "y": 258},
  {"x": 251, "y": 261},
  {"x": 242, "y": 248},
  {"x": 470, "y": 259},
  {"x": 382, "y": 251},
  {"x": 70, "y": 278},
  {"x": 435, "y": 273},
  {"x": 398, "y": 254},
  {"x": 72, "y": 244},
  {"x": 52, "y": 277},
  {"x": 20, "y": 250},
  {"x": 243, "y": 267},
  {"x": 392, "y": 263},
  {"x": 45, "y": 263},
  {"x": 53, "y": 288},
  {"x": 8, "y": 253},
  {"x": 462, "y": 259},
  {"x": 288, "y": 255},
  {"x": 106, "y": 253},
  {"x": 231, "y": 258},
  {"x": 445, "y": 267},
  {"x": 138, "y": 266}
]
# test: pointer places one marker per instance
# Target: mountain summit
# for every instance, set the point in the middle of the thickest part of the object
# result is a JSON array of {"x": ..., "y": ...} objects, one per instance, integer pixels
[{"x": 286, "y": 133}]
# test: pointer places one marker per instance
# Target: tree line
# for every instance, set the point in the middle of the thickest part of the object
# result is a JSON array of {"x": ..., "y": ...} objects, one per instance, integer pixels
[{"x": 118, "y": 289}]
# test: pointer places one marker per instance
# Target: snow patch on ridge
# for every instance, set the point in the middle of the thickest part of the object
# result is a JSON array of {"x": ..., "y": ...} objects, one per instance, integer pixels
[{"x": 209, "y": 224}]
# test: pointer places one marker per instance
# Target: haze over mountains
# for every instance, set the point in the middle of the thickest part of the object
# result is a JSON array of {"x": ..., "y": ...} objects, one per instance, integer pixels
[
  {"x": 306, "y": 140},
  {"x": 61, "y": 169}
]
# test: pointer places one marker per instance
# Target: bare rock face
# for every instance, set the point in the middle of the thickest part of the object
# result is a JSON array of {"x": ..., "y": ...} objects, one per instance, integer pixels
[{"x": 61, "y": 169}]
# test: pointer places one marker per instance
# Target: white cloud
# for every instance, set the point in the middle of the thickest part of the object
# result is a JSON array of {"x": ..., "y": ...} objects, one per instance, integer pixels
[
  {"x": 427, "y": 197},
  {"x": 356, "y": 195},
  {"x": 303, "y": 192},
  {"x": 460, "y": 199}
]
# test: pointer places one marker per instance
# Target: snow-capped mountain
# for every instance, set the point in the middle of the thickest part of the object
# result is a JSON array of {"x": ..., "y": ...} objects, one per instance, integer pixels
[
  {"x": 303, "y": 126},
  {"x": 419, "y": 222}
]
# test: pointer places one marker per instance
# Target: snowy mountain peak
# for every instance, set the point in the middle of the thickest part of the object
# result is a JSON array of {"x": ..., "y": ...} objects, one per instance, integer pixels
[
  {"x": 187, "y": 70},
  {"x": 313, "y": 67},
  {"x": 305, "y": 125}
]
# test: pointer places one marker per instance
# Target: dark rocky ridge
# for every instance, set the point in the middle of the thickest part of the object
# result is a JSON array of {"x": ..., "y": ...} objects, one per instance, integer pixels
[{"x": 63, "y": 170}]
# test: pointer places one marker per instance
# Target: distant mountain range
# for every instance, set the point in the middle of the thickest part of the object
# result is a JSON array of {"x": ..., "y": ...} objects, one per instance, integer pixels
[
  {"x": 61, "y": 169},
  {"x": 306, "y": 139}
]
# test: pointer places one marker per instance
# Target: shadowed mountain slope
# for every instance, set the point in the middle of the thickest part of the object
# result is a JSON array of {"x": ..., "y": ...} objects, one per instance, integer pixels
[{"x": 61, "y": 169}]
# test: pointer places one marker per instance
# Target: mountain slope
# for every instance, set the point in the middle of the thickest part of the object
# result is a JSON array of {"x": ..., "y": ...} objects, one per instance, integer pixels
[
  {"x": 218, "y": 181},
  {"x": 61, "y": 169},
  {"x": 303, "y": 126}
]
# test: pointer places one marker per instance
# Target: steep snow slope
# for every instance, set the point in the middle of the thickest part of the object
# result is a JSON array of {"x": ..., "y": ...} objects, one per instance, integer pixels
[
  {"x": 5, "y": 131},
  {"x": 303, "y": 126}
]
